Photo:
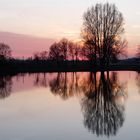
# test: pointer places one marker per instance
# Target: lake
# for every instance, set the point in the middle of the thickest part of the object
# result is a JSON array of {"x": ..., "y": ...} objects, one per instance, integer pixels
[{"x": 70, "y": 106}]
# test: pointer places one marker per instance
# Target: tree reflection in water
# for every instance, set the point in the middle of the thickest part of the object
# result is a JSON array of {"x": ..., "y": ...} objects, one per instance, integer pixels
[
  {"x": 102, "y": 97},
  {"x": 41, "y": 79},
  {"x": 65, "y": 85},
  {"x": 103, "y": 105},
  {"x": 5, "y": 86},
  {"x": 138, "y": 81}
]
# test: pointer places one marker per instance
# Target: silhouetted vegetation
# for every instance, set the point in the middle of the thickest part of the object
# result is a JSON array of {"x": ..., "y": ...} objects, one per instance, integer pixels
[
  {"x": 102, "y": 26},
  {"x": 99, "y": 50},
  {"x": 5, "y": 52},
  {"x": 41, "y": 56},
  {"x": 138, "y": 52},
  {"x": 64, "y": 50}
]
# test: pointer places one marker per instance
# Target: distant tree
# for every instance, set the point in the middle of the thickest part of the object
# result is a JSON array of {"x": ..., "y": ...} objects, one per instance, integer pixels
[
  {"x": 87, "y": 52},
  {"x": 102, "y": 26},
  {"x": 44, "y": 55},
  {"x": 41, "y": 55},
  {"x": 36, "y": 56},
  {"x": 5, "y": 51},
  {"x": 138, "y": 52},
  {"x": 55, "y": 52},
  {"x": 77, "y": 50},
  {"x": 64, "y": 46},
  {"x": 71, "y": 50},
  {"x": 62, "y": 50}
]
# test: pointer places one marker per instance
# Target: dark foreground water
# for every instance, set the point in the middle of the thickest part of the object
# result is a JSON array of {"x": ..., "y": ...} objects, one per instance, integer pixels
[{"x": 70, "y": 106}]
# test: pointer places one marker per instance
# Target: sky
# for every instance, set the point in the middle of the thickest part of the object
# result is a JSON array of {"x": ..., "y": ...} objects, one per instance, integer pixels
[{"x": 55, "y": 19}]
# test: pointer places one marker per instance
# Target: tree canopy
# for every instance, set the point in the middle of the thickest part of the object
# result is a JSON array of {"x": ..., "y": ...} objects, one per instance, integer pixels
[
  {"x": 5, "y": 51},
  {"x": 102, "y": 29}
]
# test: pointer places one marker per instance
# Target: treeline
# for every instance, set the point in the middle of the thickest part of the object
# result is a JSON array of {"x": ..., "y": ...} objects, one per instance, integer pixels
[
  {"x": 101, "y": 45},
  {"x": 66, "y": 50},
  {"x": 62, "y": 51}
]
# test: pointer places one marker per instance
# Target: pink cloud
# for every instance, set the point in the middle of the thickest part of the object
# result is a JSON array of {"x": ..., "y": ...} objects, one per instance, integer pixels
[{"x": 25, "y": 45}]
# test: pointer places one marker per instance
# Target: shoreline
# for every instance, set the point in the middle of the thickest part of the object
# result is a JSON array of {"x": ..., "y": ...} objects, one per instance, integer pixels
[{"x": 31, "y": 66}]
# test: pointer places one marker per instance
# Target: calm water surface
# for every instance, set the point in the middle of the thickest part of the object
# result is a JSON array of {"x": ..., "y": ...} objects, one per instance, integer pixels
[{"x": 70, "y": 106}]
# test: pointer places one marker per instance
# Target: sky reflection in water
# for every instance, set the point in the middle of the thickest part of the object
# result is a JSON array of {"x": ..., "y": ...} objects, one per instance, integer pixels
[{"x": 70, "y": 106}]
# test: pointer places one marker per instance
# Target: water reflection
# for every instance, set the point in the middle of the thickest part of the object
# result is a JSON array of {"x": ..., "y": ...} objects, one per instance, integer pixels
[
  {"x": 5, "y": 86},
  {"x": 103, "y": 105},
  {"x": 138, "y": 81},
  {"x": 102, "y": 96},
  {"x": 41, "y": 80},
  {"x": 65, "y": 85}
]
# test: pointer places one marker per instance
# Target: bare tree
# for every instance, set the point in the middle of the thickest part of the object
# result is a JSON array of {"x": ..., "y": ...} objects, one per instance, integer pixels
[
  {"x": 63, "y": 50},
  {"x": 41, "y": 55},
  {"x": 36, "y": 56},
  {"x": 71, "y": 50},
  {"x": 5, "y": 51},
  {"x": 77, "y": 50},
  {"x": 44, "y": 55},
  {"x": 87, "y": 52},
  {"x": 55, "y": 52},
  {"x": 64, "y": 46},
  {"x": 102, "y": 26},
  {"x": 138, "y": 52}
]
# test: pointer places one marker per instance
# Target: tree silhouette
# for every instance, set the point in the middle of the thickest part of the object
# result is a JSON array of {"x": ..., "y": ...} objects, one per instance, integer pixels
[
  {"x": 54, "y": 53},
  {"x": 103, "y": 112},
  {"x": 138, "y": 52},
  {"x": 102, "y": 27},
  {"x": 63, "y": 50},
  {"x": 41, "y": 55},
  {"x": 88, "y": 52},
  {"x": 5, "y": 51},
  {"x": 44, "y": 55},
  {"x": 77, "y": 50}
]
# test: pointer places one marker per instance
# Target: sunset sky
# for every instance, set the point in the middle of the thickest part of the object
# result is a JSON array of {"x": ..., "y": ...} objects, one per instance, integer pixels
[{"x": 54, "y": 19}]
